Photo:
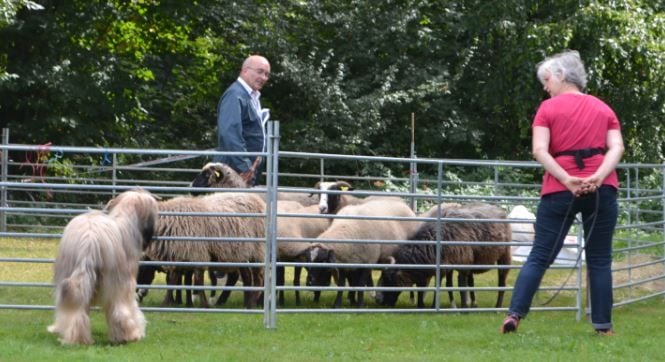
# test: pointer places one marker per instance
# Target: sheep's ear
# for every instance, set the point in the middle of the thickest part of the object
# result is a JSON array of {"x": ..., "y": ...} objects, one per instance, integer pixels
[
  {"x": 345, "y": 186},
  {"x": 304, "y": 253},
  {"x": 391, "y": 260},
  {"x": 335, "y": 275},
  {"x": 314, "y": 252}
]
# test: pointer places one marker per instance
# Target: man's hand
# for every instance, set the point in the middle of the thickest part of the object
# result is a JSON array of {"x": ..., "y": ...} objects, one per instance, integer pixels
[{"x": 248, "y": 176}]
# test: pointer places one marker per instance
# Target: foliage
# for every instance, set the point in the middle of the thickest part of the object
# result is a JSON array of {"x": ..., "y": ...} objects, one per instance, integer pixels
[{"x": 348, "y": 77}]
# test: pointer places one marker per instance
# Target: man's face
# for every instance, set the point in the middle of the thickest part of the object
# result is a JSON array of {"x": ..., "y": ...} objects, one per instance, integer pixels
[{"x": 256, "y": 74}]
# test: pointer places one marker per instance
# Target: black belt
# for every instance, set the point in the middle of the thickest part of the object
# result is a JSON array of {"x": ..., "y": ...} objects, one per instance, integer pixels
[{"x": 581, "y": 154}]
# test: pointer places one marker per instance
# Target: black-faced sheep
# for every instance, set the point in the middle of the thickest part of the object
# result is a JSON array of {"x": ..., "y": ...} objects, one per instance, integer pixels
[
  {"x": 452, "y": 254},
  {"x": 360, "y": 252},
  {"x": 332, "y": 203},
  {"x": 221, "y": 175},
  {"x": 191, "y": 250}
]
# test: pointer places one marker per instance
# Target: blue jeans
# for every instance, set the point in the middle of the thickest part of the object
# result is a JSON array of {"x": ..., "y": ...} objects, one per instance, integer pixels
[{"x": 553, "y": 220}]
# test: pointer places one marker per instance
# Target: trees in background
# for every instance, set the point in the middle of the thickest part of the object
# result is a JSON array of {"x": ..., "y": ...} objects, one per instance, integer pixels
[{"x": 347, "y": 75}]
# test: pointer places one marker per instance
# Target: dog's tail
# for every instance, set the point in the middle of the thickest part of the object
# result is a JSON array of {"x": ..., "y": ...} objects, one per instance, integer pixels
[{"x": 78, "y": 290}]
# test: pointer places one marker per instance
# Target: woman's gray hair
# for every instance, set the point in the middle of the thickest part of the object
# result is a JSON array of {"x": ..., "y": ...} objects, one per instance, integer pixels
[{"x": 567, "y": 66}]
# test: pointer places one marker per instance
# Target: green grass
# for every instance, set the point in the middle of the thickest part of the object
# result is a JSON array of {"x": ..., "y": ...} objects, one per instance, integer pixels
[
  {"x": 314, "y": 337},
  {"x": 317, "y": 336}
]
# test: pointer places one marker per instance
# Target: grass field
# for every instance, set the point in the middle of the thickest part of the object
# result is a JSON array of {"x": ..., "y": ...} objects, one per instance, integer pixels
[{"x": 546, "y": 336}]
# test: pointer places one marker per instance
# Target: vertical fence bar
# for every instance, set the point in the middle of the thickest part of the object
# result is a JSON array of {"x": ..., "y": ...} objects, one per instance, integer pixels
[
  {"x": 413, "y": 166},
  {"x": 496, "y": 180},
  {"x": 581, "y": 308},
  {"x": 629, "y": 196},
  {"x": 3, "y": 189},
  {"x": 114, "y": 174},
  {"x": 270, "y": 269},
  {"x": 437, "y": 281},
  {"x": 662, "y": 202}
]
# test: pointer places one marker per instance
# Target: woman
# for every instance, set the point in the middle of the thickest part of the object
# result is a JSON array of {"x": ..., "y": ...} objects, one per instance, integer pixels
[{"x": 577, "y": 138}]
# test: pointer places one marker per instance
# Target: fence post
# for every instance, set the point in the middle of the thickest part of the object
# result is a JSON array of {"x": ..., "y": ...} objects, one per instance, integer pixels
[
  {"x": 3, "y": 189},
  {"x": 581, "y": 242},
  {"x": 437, "y": 281},
  {"x": 413, "y": 167},
  {"x": 270, "y": 269},
  {"x": 629, "y": 196},
  {"x": 662, "y": 199}
]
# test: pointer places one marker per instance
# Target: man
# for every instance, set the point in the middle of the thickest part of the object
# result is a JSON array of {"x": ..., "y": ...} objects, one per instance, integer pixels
[{"x": 239, "y": 119}]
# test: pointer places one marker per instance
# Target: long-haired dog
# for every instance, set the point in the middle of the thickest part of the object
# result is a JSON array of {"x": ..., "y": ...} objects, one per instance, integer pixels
[{"x": 97, "y": 264}]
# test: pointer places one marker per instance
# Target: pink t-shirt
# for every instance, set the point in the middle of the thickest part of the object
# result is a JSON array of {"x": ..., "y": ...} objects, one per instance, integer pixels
[{"x": 576, "y": 121}]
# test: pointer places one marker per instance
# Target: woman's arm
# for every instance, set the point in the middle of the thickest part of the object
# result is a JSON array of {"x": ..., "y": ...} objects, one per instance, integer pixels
[
  {"x": 540, "y": 149},
  {"x": 613, "y": 155}
]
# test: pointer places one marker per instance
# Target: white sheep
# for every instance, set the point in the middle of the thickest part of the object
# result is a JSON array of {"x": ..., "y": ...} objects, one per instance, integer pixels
[{"x": 360, "y": 252}]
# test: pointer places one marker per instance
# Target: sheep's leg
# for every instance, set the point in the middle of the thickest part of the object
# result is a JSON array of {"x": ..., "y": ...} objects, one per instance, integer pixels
[
  {"x": 280, "y": 282},
  {"x": 246, "y": 276},
  {"x": 341, "y": 282},
  {"x": 178, "y": 275},
  {"x": 317, "y": 293},
  {"x": 188, "y": 274},
  {"x": 503, "y": 275},
  {"x": 296, "y": 283},
  {"x": 213, "y": 281},
  {"x": 359, "y": 278},
  {"x": 257, "y": 281},
  {"x": 199, "y": 280},
  {"x": 449, "y": 284},
  {"x": 470, "y": 283},
  {"x": 462, "y": 279},
  {"x": 172, "y": 278},
  {"x": 421, "y": 294},
  {"x": 231, "y": 280}
]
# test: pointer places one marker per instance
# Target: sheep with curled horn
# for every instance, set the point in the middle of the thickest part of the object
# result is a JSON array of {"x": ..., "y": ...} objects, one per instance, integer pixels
[
  {"x": 97, "y": 264},
  {"x": 221, "y": 175},
  {"x": 360, "y": 252},
  {"x": 475, "y": 231},
  {"x": 172, "y": 224}
]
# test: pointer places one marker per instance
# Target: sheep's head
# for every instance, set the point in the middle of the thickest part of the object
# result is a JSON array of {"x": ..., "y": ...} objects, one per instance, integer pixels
[
  {"x": 318, "y": 276},
  {"x": 145, "y": 276},
  {"x": 329, "y": 204},
  {"x": 218, "y": 175},
  {"x": 390, "y": 278}
]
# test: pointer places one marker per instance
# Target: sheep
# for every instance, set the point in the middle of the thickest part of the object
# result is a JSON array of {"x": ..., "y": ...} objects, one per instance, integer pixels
[
  {"x": 358, "y": 252},
  {"x": 452, "y": 254},
  {"x": 221, "y": 175},
  {"x": 212, "y": 226},
  {"x": 292, "y": 229}
]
